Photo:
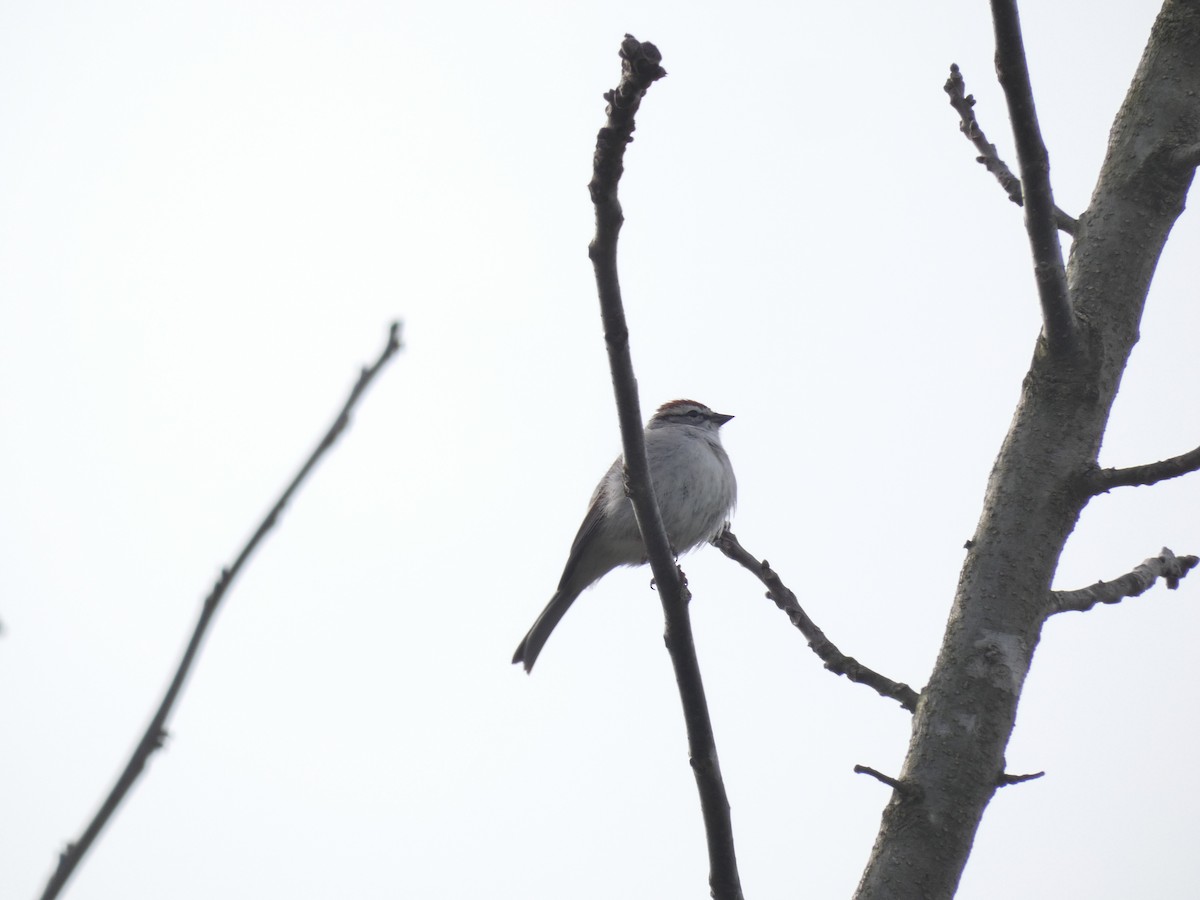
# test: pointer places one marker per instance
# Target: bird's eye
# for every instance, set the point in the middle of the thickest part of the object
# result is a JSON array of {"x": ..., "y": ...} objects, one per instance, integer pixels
[{"x": 693, "y": 413}]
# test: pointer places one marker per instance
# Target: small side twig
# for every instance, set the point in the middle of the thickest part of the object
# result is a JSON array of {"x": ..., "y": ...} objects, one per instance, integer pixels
[
  {"x": 1100, "y": 481},
  {"x": 1058, "y": 320},
  {"x": 835, "y": 661},
  {"x": 156, "y": 732},
  {"x": 901, "y": 787},
  {"x": 640, "y": 68},
  {"x": 1005, "y": 779},
  {"x": 989, "y": 156},
  {"x": 1166, "y": 565}
]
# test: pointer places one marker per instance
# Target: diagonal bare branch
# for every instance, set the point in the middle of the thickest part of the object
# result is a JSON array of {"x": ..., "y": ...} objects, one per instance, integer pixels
[
  {"x": 989, "y": 156},
  {"x": 904, "y": 788},
  {"x": 1166, "y": 565},
  {"x": 835, "y": 661},
  {"x": 1058, "y": 320},
  {"x": 640, "y": 68},
  {"x": 1102, "y": 480},
  {"x": 156, "y": 732}
]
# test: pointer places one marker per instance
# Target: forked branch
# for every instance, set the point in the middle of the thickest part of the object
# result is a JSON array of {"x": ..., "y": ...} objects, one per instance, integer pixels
[
  {"x": 1058, "y": 321},
  {"x": 640, "y": 67},
  {"x": 1166, "y": 565},
  {"x": 835, "y": 661},
  {"x": 1102, "y": 480},
  {"x": 989, "y": 156},
  {"x": 156, "y": 732}
]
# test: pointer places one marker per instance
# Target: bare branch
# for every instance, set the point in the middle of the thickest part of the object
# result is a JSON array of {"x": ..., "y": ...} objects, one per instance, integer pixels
[
  {"x": 156, "y": 732},
  {"x": 1005, "y": 780},
  {"x": 835, "y": 661},
  {"x": 1058, "y": 321},
  {"x": 907, "y": 789},
  {"x": 1166, "y": 565},
  {"x": 970, "y": 703},
  {"x": 964, "y": 105},
  {"x": 1065, "y": 222},
  {"x": 989, "y": 157},
  {"x": 640, "y": 67},
  {"x": 1102, "y": 480}
]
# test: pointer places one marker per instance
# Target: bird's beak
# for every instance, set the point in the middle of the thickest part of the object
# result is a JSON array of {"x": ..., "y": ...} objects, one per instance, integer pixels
[{"x": 721, "y": 418}]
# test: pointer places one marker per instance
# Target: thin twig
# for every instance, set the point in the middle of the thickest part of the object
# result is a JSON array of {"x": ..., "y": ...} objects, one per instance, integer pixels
[
  {"x": 1166, "y": 565},
  {"x": 640, "y": 67},
  {"x": 989, "y": 156},
  {"x": 1005, "y": 779},
  {"x": 1100, "y": 481},
  {"x": 1058, "y": 321},
  {"x": 835, "y": 661},
  {"x": 907, "y": 789},
  {"x": 156, "y": 732}
]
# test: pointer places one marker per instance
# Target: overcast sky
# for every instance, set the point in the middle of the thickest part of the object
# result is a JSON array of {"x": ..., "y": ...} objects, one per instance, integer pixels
[{"x": 209, "y": 213}]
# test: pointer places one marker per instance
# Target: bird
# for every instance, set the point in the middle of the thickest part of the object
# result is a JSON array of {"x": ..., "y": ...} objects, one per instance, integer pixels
[{"x": 696, "y": 491}]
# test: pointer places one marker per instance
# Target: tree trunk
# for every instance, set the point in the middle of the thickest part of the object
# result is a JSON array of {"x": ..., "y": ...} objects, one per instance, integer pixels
[{"x": 1037, "y": 490}]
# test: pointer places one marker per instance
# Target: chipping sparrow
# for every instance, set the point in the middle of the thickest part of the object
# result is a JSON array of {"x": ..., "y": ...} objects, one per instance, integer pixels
[{"x": 696, "y": 490}]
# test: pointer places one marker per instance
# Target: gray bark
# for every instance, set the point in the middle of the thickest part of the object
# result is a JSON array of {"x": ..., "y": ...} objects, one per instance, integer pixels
[{"x": 1039, "y": 484}]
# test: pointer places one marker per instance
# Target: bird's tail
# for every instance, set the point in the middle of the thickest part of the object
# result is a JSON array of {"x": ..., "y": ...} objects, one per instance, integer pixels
[{"x": 531, "y": 645}]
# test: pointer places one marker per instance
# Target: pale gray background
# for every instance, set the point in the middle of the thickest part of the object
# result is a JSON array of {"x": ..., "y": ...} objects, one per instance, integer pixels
[{"x": 209, "y": 213}]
